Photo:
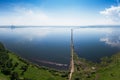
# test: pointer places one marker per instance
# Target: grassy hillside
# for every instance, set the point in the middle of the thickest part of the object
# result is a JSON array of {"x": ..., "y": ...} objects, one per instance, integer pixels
[
  {"x": 13, "y": 67},
  {"x": 108, "y": 69}
]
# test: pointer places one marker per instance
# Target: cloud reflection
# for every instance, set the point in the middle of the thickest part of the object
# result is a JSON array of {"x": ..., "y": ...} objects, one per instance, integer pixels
[
  {"x": 112, "y": 39},
  {"x": 31, "y": 34}
]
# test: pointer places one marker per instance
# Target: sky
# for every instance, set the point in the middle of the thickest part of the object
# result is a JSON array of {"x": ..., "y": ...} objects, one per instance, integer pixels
[{"x": 59, "y": 12}]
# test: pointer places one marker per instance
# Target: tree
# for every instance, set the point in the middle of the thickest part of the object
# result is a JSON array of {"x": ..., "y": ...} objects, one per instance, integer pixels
[
  {"x": 6, "y": 71},
  {"x": 2, "y": 48},
  {"x": 14, "y": 76},
  {"x": 3, "y": 58},
  {"x": 24, "y": 68},
  {"x": 9, "y": 63}
]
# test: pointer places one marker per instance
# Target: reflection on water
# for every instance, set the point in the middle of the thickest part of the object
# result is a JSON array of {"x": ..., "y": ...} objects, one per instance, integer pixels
[
  {"x": 50, "y": 46},
  {"x": 44, "y": 46},
  {"x": 112, "y": 39},
  {"x": 90, "y": 43}
]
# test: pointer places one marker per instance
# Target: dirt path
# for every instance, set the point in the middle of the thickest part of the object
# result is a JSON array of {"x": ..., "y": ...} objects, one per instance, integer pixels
[
  {"x": 72, "y": 60},
  {"x": 71, "y": 66}
]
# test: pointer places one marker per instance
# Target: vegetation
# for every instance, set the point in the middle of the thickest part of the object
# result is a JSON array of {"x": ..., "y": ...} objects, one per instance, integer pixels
[
  {"x": 108, "y": 69},
  {"x": 84, "y": 70},
  {"x": 13, "y": 67}
]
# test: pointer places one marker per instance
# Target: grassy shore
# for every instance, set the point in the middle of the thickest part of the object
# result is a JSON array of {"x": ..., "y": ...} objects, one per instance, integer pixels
[
  {"x": 13, "y": 67},
  {"x": 108, "y": 69}
]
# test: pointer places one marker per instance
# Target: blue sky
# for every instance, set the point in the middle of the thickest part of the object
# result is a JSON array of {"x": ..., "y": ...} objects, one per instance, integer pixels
[{"x": 59, "y": 12}]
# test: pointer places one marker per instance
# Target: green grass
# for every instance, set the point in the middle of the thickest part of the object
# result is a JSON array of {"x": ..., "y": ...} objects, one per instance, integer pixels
[
  {"x": 3, "y": 77},
  {"x": 111, "y": 71},
  {"x": 83, "y": 69},
  {"x": 13, "y": 67},
  {"x": 35, "y": 73},
  {"x": 108, "y": 69}
]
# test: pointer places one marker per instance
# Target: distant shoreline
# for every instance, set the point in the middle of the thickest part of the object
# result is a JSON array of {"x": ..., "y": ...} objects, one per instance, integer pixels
[{"x": 87, "y": 26}]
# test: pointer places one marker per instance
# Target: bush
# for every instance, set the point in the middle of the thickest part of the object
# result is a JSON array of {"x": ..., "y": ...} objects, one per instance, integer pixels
[
  {"x": 6, "y": 71},
  {"x": 15, "y": 65},
  {"x": 27, "y": 79},
  {"x": 77, "y": 78},
  {"x": 2, "y": 48},
  {"x": 14, "y": 76},
  {"x": 24, "y": 68},
  {"x": 3, "y": 58},
  {"x": 9, "y": 63}
]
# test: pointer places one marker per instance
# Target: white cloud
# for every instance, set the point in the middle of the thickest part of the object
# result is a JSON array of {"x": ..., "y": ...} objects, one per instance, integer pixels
[
  {"x": 23, "y": 16},
  {"x": 37, "y": 17},
  {"x": 112, "y": 13}
]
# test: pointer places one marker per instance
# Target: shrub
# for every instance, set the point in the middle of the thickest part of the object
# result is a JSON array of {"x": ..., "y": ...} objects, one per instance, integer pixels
[{"x": 14, "y": 76}]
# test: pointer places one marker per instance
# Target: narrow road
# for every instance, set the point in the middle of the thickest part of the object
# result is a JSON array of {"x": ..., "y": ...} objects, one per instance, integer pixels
[{"x": 72, "y": 60}]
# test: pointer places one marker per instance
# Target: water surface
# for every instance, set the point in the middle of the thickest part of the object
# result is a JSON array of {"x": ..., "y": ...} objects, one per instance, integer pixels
[
  {"x": 44, "y": 46},
  {"x": 50, "y": 46},
  {"x": 95, "y": 43}
]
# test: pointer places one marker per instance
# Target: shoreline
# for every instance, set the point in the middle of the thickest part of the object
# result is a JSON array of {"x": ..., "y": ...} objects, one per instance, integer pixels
[
  {"x": 25, "y": 69},
  {"x": 34, "y": 64}
]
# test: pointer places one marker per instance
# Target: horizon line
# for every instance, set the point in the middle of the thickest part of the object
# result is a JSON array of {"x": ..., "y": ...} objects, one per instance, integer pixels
[{"x": 57, "y": 25}]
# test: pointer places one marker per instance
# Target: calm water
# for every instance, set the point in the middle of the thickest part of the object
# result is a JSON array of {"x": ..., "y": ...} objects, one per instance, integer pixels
[
  {"x": 44, "y": 46},
  {"x": 50, "y": 46},
  {"x": 95, "y": 43}
]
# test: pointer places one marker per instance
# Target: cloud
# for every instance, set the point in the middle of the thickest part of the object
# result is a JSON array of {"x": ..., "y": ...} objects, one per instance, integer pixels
[
  {"x": 112, "y": 13},
  {"x": 37, "y": 17},
  {"x": 23, "y": 16}
]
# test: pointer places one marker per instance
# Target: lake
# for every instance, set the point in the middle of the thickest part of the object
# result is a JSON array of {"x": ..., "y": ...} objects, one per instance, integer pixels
[
  {"x": 50, "y": 46},
  {"x": 95, "y": 43}
]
